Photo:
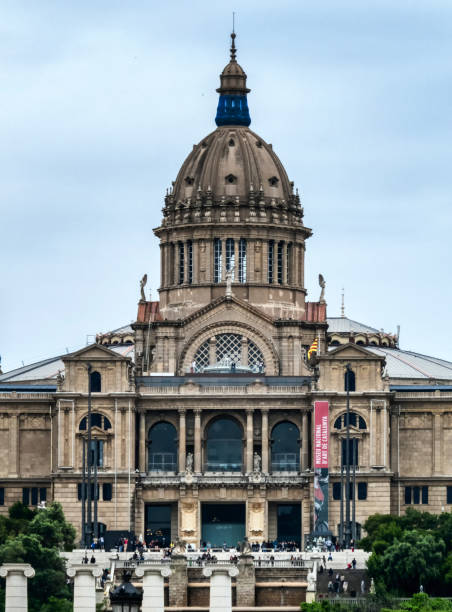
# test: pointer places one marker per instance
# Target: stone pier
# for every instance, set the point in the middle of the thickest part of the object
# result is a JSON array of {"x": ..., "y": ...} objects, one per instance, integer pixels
[
  {"x": 16, "y": 574},
  {"x": 153, "y": 586},
  {"x": 220, "y": 587},
  {"x": 84, "y": 586}
]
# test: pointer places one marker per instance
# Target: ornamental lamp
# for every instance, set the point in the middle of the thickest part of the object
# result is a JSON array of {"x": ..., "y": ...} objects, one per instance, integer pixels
[{"x": 126, "y": 598}]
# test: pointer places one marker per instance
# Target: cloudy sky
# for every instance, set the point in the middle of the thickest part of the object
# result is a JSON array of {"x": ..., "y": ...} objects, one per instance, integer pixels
[{"x": 101, "y": 101}]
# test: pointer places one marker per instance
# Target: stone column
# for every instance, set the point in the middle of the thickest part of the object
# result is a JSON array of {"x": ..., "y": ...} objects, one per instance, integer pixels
[
  {"x": 246, "y": 582},
  {"x": 284, "y": 263},
  {"x": 143, "y": 441},
  {"x": 304, "y": 441},
  {"x": 13, "y": 470},
  {"x": 153, "y": 586},
  {"x": 198, "y": 450},
  {"x": 182, "y": 440},
  {"x": 249, "y": 440},
  {"x": 16, "y": 574},
  {"x": 264, "y": 440},
  {"x": 220, "y": 587},
  {"x": 84, "y": 586}
]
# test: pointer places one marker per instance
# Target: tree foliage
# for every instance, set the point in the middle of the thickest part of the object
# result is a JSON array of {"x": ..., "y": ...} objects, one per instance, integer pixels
[{"x": 37, "y": 538}]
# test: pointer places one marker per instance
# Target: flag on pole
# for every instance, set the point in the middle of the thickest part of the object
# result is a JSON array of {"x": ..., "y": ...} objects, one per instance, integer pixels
[{"x": 313, "y": 348}]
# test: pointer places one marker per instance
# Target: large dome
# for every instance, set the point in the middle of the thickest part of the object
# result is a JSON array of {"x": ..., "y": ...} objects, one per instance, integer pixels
[{"x": 231, "y": 162}]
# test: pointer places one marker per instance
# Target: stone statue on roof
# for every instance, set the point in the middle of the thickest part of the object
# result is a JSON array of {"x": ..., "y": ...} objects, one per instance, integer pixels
[
  {"x": 322, "y": 284},
  {"x": 143, "y": 282},
  {"x": 229, "y": 275}
]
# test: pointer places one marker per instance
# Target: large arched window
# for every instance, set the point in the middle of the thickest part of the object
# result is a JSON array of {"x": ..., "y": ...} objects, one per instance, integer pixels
[
  {"x": 285, "y": 444},
  {"x": 355, "y": 421},
  {"x": 224, "y": 446},
  {"x": 231, "y": 350},
  {"x": 97, "y": 420},
  {"x": 95, "y": 382},
  {"x": 162, "y": 456}
]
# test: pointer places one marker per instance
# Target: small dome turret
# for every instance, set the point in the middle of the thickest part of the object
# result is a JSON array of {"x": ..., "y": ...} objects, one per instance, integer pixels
[{"x": 233, "y": 105}]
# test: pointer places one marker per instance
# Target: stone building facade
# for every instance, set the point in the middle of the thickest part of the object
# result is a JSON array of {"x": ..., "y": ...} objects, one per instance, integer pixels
[{"x": 202, "y": 409}]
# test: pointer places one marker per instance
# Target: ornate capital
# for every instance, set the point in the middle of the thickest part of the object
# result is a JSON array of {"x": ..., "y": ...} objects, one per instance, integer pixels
[
  {"x": 17, "y": 568},
  {"x": 156, "y": 569},
  {"x": 83, "y": 568}
]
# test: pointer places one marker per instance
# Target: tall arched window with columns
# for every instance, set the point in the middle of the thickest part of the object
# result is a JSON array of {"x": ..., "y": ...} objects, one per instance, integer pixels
[{"x": 224, "y": 446}]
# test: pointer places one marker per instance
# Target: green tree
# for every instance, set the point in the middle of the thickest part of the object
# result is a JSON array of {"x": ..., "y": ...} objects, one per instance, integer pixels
[{"x": 415, "y": 559}]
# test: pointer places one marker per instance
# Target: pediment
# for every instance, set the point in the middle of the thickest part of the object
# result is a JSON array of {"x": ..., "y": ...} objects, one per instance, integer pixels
[
  {"x": 229, "y": 308},
  {"x": 352, "y": 351},
  {"x": 94, "y": 352}
]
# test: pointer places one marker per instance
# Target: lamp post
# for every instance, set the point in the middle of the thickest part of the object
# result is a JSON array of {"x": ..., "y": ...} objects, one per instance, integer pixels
[
  {"x": 126, "y": 598},
  {"x": 89, "y": 526},
  {"x": 348, "y": 369}
]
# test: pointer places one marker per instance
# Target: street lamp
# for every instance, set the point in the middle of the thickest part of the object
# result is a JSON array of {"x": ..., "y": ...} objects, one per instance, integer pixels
[{"x": 126, "y": 598}]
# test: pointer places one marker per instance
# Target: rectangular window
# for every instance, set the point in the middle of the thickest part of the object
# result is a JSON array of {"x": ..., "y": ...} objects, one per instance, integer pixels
[
  {"x": 42, "y": 494},
  {"x": 449, "y": 495},
  {"x": 34, "y": 496},
  {"x": 218, "y": 260},
  {"x": 97, "y": 452},
  {"x": 181, "y": 263},
  {"x": 407, "y": 495},
  {"x": 352, "y": 452},
  {"x": 362, "y": 490},
  {"x": 425, "y": 495},
  {"x": 26, "y": 496},
  {"x": 230, "y": 256},
  {"x": 288, "y": 264},
  {"x": 336, "y": 491},
  {"x": 242, "y": 260},
  {"x": 190, "y": 261},
  {"x": 107, "y": 491},
  {"x": 416, "y": 495},
  {"x": 79, "y": 491},
  {"x": 280, "y": 263},
  {"x": 2, "y": 496},
  {"x": 271, "y": 253}
]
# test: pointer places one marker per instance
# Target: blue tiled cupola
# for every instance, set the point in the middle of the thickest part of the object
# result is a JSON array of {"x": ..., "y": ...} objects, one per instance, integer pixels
[{"x": 233, "y": 105}]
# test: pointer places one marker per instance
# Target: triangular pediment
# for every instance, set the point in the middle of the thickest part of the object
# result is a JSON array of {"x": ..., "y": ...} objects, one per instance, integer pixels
[
  {"x": 224, "y": 302},
  {"x": 351, "y": 351},
  {"x": 95, "y": 352}
]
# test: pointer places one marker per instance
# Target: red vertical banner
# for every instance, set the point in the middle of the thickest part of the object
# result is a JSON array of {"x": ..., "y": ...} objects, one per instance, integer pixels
[
  {"x": 321, "y": 434},
  {"x": 321, "y": 478}
]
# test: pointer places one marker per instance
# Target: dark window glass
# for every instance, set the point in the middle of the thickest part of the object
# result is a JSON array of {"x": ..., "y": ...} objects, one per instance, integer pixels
[
  {"x": 355, "y": 421},
  {"x": 408, "y": 495},
  {"x": 338, "y": 423},
  {"x": 43, "y": 494},
  {"x": 352, "y": 452},
  {"x": 271, "y": 249},
  {"x": 83, "y": 424},
  {"x": 285, "y": 447},
  {"x": 336, "y": 491},
  {"x": 242, "y": 260},
  {"x": 449, "y": 495},
  {"x": 353, "y": 416},
  {"x": 2, "y": 496},
  {"x": 362, "y": 490},
  {"x": 107, "y": 424},
  {"x": 95, "y": 382},
  {"x": 190, "y": 261},
  {"x": 107, "y": 491},
  {"x": 34, "y": 496},
  {"x": 416, "y": 495},
  {"x": 425, "y": 495},
  {"x": 26, "y": 496},
  {"x": 288, "y": 264},
  {"x": 181, "y": 263},
  {"x": 96, "y": 420},
  {"x": 362, "y": 423},
  {"x": 224, "y": 446},
  {"x": 350, "y": 377},
  {"x": 280, "y": 263},
  {"x": 79, "y": 491},
  {"x": 162, "y": 448}
]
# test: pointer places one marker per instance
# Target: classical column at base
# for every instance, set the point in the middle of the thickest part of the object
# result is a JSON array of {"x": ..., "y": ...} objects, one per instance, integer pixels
[
  {"x": 220, "y": 587},
  {"x": 153, "y": 586},
  {"x": 84, "y": 586},
  {"x": 16, "y": 574}
]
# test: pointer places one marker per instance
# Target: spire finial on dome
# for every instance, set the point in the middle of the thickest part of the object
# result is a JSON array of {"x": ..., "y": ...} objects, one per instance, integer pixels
[{"x": 232, "y": 105}]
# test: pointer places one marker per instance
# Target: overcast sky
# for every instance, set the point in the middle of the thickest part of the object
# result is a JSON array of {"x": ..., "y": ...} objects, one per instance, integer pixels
[{"x": 101, "y": 101}]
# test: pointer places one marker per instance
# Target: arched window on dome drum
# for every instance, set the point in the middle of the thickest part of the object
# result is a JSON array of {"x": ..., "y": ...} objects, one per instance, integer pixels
[
  {"x": 224, "y": 446},
  {"x": 285, "y": 445},
  {"x": 270, "y": 266},
  {"x": 242, "y": 260},
  {"x": 230, "y": 256},
  {"x": 190, "y": 261},
  {"x": 181, "y": 263},
  {"x": 280, "y": 263},
  {"x": 218, "y": 261},
  {"x": 162, "y": 456},
  {"x": 231, "y": 347},
  {"x": 95, "y": 382}
]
